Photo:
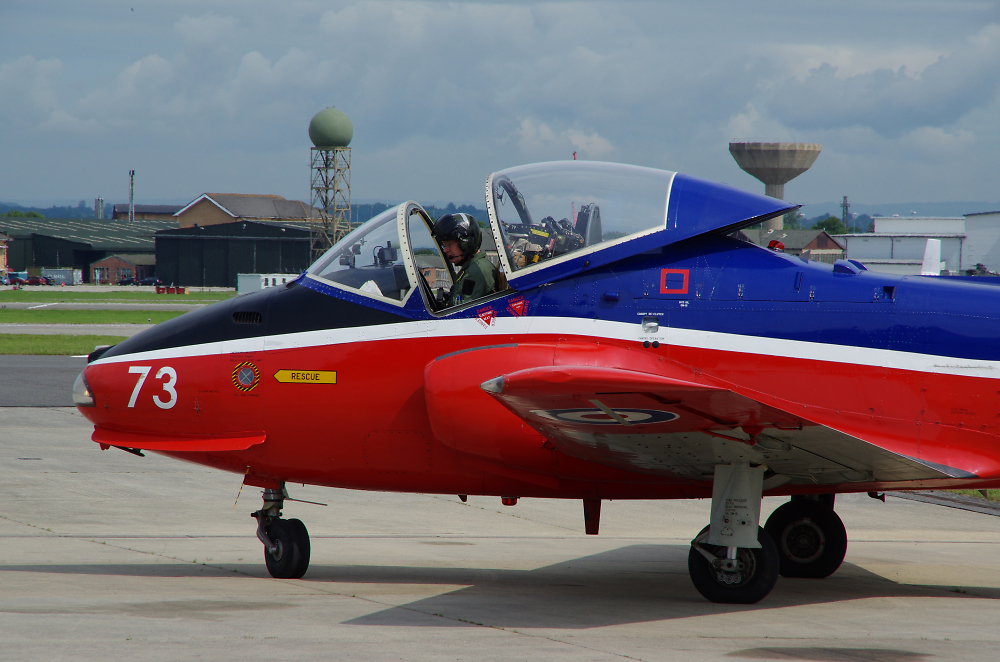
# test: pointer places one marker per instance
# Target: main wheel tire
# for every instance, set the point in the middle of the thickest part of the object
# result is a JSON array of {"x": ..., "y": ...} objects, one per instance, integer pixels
[
  {"x": 811, "y": 539},
  {"x": 756, "y": 576},
  {"x": 290, "y": 558}
]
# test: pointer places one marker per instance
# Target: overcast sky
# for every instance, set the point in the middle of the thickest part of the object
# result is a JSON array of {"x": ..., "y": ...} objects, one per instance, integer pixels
[{"x": 216, "y": 96}]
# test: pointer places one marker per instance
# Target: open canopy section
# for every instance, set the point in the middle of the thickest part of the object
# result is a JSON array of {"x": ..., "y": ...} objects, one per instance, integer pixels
[
  {"x": 556, "y": 219},
  {"x": 368, "y": 261}
]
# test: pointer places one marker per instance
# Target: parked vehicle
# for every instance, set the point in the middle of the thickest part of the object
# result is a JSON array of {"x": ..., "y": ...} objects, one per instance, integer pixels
[
  {"x": 37, "y": 280},
  {"x": 151, "y": 280},
  {"x": 128, "y": 281}
]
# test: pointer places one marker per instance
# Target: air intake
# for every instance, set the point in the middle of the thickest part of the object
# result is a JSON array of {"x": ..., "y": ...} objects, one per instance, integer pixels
[{"x": 247, "y": 317}]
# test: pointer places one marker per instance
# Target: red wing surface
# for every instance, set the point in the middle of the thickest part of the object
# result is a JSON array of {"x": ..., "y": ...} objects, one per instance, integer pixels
[{"x": 659, "y": 425}]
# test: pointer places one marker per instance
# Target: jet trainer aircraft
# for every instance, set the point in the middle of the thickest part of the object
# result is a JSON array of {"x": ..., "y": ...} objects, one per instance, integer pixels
[{"x": 638, "y": 349}]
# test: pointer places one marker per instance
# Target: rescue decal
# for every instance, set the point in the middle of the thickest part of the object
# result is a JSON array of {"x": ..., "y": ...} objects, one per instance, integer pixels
[
  {"x": 517, "y": 306},
  {"x": 486, "y": 316},
  {"x": 600, "y": 417},
  {"x": 306, "y": 376},
  {"x": 245, "y": 376}
]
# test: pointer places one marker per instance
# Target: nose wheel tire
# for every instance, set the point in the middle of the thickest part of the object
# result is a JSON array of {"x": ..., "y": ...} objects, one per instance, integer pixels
[
  {"x": 810, "y": 538},
  {"x": 753, "y": 578},
  {"x": 290, "y": 558}
]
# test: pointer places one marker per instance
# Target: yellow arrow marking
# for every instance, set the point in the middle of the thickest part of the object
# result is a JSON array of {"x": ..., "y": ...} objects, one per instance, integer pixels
[{"x": 306, "y": 376}]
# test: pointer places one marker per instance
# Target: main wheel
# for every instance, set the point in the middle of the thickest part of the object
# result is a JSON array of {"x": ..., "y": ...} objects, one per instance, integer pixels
[
  {"x": 810, "y": 538},
  {"x": 290, "y": 559},
  {"x": 753, "y": 579}
]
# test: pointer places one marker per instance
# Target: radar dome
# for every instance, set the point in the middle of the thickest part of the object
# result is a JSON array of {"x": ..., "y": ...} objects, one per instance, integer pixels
[{"x": 331, "y": 127}]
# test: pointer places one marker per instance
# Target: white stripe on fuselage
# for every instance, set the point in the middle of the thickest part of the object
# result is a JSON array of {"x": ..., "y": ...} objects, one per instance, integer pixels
[{"x": 573, "y": 327}]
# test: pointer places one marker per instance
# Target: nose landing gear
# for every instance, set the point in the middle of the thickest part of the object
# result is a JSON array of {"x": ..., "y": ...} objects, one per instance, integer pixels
[
  {"x": 286, "y": 541},
  {"x": 733, "y": 575},
  {"x": 733, "y": 560}
]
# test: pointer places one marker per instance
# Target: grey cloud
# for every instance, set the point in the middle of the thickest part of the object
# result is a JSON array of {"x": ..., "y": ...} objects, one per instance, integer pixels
[
  {"x": 894, "y": 102},
  {"x": 442, "y": 92}
]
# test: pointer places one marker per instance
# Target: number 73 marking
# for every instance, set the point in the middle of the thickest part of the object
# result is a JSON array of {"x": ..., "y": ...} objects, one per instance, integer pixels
[{"x": 168, "y": 386}]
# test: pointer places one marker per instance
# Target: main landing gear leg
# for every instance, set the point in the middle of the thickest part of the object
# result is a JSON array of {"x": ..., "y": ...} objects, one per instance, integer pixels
[
  {"x": 286, "y": 541},
  {"x": 733, "y": 560},
  {"x": 810, "y": 537}
]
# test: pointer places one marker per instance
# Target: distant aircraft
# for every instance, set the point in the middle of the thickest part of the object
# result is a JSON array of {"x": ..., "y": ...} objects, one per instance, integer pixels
[{"x": 640, "y": 350}]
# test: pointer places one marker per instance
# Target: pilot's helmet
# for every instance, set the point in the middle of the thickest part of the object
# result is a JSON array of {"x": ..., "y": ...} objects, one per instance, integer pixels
[{"x": 461, "y": 227}]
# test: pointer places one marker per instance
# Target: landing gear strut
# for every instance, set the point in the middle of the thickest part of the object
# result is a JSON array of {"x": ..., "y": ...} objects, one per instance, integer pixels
[
  {"x": 286, "y": 541},
  {"x": 809, "y": 535},
  {"x": 733, "y": 560}
]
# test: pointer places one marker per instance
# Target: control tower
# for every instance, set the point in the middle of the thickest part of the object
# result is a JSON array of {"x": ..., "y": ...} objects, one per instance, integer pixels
[
  {"x": 331, "y": 132},
  {"x": 775, "y": 164}
]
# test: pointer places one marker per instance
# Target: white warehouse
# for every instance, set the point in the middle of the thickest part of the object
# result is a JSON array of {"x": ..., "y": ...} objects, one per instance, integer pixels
[{"x": 898, "y": 243}]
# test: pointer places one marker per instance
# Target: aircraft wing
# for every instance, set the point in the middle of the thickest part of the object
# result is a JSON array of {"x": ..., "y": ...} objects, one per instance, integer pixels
[{"x": 658, "y": 425}]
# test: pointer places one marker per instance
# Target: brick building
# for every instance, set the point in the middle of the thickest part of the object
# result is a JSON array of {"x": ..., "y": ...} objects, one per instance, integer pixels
[
  {"x": 116, "y": 267},
  {"x": 814, "y": 245},
  {"x": 146, "y": 212},
  {"x": 3, "y": 254},
  {"x": 217, "y": 208}
]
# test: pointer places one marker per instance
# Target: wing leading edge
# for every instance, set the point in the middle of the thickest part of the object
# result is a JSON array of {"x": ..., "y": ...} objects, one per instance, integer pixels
[{"x": 658, "y": 425}]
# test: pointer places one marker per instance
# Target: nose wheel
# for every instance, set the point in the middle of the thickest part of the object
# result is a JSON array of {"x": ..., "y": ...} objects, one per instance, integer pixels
[
  {"x": 733, "y": 575},
  {"x": 286, "y": 541},
  {"x": 733, "y": 560}
]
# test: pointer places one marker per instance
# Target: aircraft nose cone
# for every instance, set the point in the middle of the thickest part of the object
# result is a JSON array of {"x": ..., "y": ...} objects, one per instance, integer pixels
[{"x": 82, "y": 395}]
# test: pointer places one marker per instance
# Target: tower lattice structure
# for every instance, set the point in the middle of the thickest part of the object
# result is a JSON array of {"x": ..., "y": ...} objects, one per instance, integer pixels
[{"x": 330, "y": 183}]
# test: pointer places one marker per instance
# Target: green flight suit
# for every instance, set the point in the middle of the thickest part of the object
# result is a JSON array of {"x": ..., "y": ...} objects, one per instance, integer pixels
[{"x": 475, "y": 280}]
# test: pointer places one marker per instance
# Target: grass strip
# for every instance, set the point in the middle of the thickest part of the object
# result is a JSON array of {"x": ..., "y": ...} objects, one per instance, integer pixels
[
  {"x": 16, "y": 343},
  {"x": 67, "y": 295},
  {"x": 58, "y": 316},
  {"x": 991, "y": 495}
]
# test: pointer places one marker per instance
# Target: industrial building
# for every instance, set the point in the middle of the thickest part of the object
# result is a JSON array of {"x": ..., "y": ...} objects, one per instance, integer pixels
[
  {"x": 216, "y": 208},
  {"x": 213, "y": 255},
  {"x": 969, "y": 243},
  {"x": 75, "y": 243}
]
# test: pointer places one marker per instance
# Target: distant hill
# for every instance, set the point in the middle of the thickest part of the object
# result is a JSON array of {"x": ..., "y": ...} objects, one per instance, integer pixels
[{"x": 80, "y": 211}]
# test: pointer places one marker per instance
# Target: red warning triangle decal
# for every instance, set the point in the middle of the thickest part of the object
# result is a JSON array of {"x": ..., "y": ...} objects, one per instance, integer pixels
[
  {"x": 487, "y": 316},
  {"x": 518, "y": 307}
]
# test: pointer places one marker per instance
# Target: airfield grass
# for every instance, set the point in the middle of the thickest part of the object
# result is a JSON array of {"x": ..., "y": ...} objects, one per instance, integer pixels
[
  {"x": 16, "y": 343},
  {"x": 68, "y": 295},
  {"x": 991, "y": 495},
  {"x": 57, "y": 316}
]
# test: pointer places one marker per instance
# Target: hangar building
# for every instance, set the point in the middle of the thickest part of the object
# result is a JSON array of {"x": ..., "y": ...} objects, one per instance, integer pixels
[
  {"x": 213, "y": 255},
  {"x": 898, "y": 243},
  {"x": 75, "y": 243}
]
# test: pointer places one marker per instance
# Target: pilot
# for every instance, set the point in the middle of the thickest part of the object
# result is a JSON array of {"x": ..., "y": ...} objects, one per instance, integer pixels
[{"x": 460, "y": 239}]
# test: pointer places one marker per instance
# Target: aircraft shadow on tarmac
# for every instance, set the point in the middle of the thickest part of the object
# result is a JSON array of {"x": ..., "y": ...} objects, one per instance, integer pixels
[{"x": 632, "y": 584}]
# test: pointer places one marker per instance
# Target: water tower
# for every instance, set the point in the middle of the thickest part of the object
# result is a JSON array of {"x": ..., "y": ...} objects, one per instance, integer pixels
[
  {"x": 330, "y": 178},
  {"x": 775, "y": 164}
]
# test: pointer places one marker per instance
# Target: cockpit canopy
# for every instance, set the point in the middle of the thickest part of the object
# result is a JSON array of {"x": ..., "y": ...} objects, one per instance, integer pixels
[
  {"x": 548, "y": 221},
  {"x": 550, "y": 210}
]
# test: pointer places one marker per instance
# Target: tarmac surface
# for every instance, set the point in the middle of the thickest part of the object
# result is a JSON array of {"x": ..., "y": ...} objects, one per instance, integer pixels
[
  {"x": 100, "y": 305},
  {"x": 75, "y": 329},
  {"x": 38, "y": 381},
  {"x": 105, "y": 555}
]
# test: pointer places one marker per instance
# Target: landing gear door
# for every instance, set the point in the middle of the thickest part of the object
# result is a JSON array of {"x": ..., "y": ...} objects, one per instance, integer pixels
[{"x": 426, "y": 266}]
